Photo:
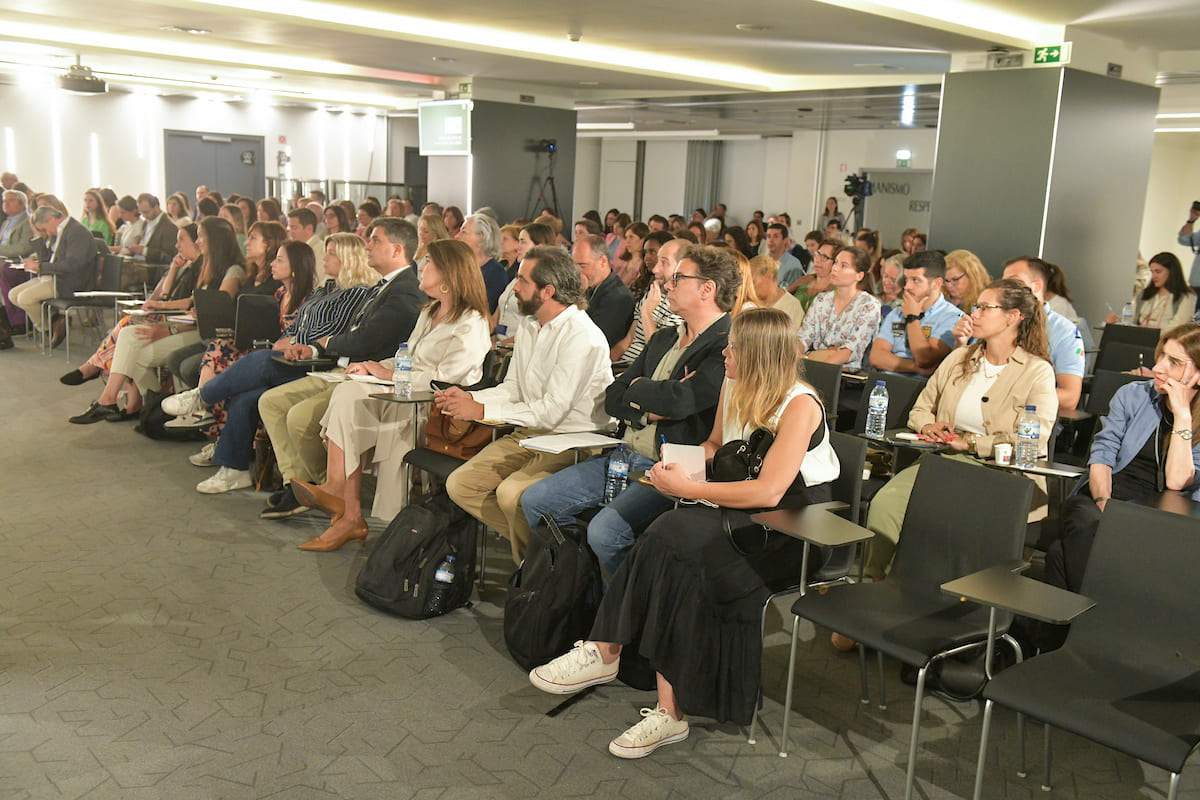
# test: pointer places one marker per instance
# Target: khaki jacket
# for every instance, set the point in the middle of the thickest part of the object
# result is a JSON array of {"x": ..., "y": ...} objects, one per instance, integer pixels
[{"x": 1027, "y": 380}]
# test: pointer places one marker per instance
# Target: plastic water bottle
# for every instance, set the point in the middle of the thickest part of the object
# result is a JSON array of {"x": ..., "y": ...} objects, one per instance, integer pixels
[
  {"x": 1127, "y": 313},
  {"x": 443, "y": 578},
  {"x": 877, "y": 408},
  {"x": 402, "y": 372},
  {"x": 1028, "y": 430},
  {"x": 617, "y": 477}
]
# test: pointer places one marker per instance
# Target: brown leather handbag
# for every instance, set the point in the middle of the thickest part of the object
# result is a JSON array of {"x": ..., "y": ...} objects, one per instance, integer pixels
[{"x": 455, "y": 437}]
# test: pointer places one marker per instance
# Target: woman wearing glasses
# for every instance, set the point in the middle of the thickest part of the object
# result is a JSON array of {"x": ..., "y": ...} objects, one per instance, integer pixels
[
  {"x": 972, "y": 401},
  {"x": 965, "y": 279},
  {"x": 818, "y": 282},
  {"x": 839, "y": 325}
]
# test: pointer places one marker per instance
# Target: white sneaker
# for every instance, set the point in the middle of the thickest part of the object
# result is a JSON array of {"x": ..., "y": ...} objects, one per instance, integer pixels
[
  {"x": 204, "y": 457},
  {"x": 656, "y": 729},
  {"x": 226, "y": 480},
  {"x": 197, "y": 419},
  {"x": 574, "y": 671},
  {"x": 178, "y": 405}
]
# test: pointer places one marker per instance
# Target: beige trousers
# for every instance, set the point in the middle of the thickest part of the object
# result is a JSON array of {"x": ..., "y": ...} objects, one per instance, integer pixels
[
  {"x": 292, "y": 416},
  {"x": 29, "y": 296}
]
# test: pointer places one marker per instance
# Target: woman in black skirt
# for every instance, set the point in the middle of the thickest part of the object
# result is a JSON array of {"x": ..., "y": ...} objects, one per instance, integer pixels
[{"x": 687, "y": 599}]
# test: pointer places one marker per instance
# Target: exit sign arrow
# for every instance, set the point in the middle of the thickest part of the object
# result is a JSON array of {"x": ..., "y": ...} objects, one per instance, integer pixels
[{"x": 1052, "y": 54}]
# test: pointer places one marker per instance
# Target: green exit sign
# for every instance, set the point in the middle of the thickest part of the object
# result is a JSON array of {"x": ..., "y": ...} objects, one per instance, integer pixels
[{"x": 1053, "y": 54}]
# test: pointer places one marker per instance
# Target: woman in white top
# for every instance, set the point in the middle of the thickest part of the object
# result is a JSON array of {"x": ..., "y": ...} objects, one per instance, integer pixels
[
  {"x": 1167, "y": 301},
  {"x": 448, "y": 343},
  {"x": 687, "y": 600}
]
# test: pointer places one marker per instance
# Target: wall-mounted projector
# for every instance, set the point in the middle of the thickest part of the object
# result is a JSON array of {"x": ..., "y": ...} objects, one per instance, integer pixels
[{"x": 80, "y": 79}]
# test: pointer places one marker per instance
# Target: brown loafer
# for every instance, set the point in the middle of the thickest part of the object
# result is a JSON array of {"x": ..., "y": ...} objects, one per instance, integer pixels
[
  {"x": 319, "y": 545},
  {"x": 318, "y": 498},
  {"x": 58, "y": 331}
]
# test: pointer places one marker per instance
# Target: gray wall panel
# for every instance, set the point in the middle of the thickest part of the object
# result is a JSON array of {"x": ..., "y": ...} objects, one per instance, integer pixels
[
  {"x": 993, "y": 161},
  {"x": 504, "y": 170},
  {"x": 1098, "y": 187}
]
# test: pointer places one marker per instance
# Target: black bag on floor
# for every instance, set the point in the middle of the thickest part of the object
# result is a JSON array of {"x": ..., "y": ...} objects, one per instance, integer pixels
[
  {"x": 152, "y": 420},
  {"x": 401, "y": 574},
  {"x": 553, "y": 596}
]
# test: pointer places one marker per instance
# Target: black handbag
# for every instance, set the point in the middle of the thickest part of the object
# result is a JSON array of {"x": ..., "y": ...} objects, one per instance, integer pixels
[{"x": 742, "y": 460}]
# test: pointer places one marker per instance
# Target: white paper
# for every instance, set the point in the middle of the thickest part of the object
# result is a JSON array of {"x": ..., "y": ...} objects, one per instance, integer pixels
[
  {"x": 562, "y": 442},
  {"x": 688, "y": 456}
]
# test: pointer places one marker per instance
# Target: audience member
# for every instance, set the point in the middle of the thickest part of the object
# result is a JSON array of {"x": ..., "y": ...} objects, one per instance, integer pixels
[
  {"x": 507, "y": 315},
  {"x": 831, "y": 212},
  {"x": 819, "y": 280},
  {"x": 16, "y": 243},
  {"x": 652, "y": 309},
  {"x": 790, "y": 268},
  {"x": 609, "y": 301},
  {"x": 336, "y": 220},
  {"x": 302, "y": 227},
  {"x": 95, "y": 216},
  {"x": 765, "y": 272},
  {"x": 838, "y": 325},
  {"x": 965, "y": 278},
  {"x": 1058, "y": 296},
  {"x": 1167, "y": 301},
  {"x": 59, "y": 271},
  {"x": 269, "y": 210},
  {"x": 482, "y": 234},
  {"x": 453, "y": 218},
  {"x": 972, "y": 401},
  {"x": 1190, "y": 237},
  {"x": 687, "y": 599},
  {"x": 920, "y": 334},
  {"x": 635, "y": 241},
  {"x": 555, "y": 383}
]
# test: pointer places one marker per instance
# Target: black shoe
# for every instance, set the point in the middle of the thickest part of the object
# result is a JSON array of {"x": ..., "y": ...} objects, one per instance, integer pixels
[
  {"x": 283, "y": 504},
  {"x": 6, "y": 342},
  {"x": 76, "y": 377},
  {"x": 96, "y": 412},
  {"x": 58, "y": 331}
]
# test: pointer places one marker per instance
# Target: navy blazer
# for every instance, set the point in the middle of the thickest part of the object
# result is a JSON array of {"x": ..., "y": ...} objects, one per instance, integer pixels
[
  {"x": 385, "y": 320},
  {"x": 690, "y": 405}
]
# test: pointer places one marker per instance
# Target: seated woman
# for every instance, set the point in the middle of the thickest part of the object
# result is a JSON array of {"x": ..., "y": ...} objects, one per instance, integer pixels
[
  {"x": 141, "y": 349},
  {"x": 430, "y": 228},
  {"x": 448, "y": 343},
  {"x": 95, "y": 216},
  {"x": 336, "y": 220},
  {"x": 269, "y": 211},
  {"x": 686, "y": 599},
  {"x": 817, "y": 281},
  {"x": 173, "y": 293},
  {"x": 1057, "y": 295},
  {"x": 328, "y": 311},
  {"x": 1148, "y": 443},
  {"x": 1167, "y": 301},
  {"x": 179, "y": 210},
  {"x": 232, "y": 213},
  {"x": 965, "y": 279},
  {"x": 838, "y": 327},
  {"x": 971, "y": 403},
  {"x": 651, "y": 309}
]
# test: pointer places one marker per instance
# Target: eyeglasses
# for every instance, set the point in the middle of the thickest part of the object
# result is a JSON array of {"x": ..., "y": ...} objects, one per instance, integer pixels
[
  {"x": 676, "y": 277},
  {"x": 955, "y": 280},
  {"x": 984, "y": 307},
  {"x": 819, "y": 256}
]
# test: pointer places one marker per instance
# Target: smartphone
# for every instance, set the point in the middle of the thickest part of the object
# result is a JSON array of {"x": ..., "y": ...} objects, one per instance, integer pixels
[{"x": 441, "y": 386}]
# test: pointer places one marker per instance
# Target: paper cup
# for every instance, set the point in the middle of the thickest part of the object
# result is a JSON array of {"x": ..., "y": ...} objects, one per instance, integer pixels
[{"x": 1003, "y": 453}]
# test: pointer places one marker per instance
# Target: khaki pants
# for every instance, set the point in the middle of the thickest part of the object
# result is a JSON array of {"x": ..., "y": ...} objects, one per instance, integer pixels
[
  {"x": 29, "y": 296},
  {"x": 490, "y": 485},
  {"x": 292, "y": 416},
  {"x": 139, "y": 360}
]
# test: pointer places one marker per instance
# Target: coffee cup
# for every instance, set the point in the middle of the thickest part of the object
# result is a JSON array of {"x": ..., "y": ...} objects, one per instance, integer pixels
[{"x": 1003, "y": 453}]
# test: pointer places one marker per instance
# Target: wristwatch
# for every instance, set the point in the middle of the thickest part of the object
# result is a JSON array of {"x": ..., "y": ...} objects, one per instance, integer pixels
[
  {"x": 1183, "y": 433},
  {"x": 911, "y": 318},
  {"x": 971, "y": 444}
]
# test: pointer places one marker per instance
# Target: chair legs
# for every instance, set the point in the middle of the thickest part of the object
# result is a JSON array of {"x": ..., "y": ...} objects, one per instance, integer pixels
[
  {"x": 882, "y": 683},
  {"x": 983, "y": 740},
  {"x": 862, "y": 671},
  {"x": 910, "y": 777},
  {"x": 1046, "y": 760},
  {"x": 1174, "y": 790},
  {"x": 787, "y": 700}
]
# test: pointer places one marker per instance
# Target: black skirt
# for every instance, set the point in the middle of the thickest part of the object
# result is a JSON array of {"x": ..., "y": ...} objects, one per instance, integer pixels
[{"x": 689, "y": 604}]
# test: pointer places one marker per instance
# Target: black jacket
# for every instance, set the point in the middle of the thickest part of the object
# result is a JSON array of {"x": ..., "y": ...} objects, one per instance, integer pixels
[
  {"x": 75, "y": 262},
  {"x": 385, "y": 320},
  {"x": 160, "y": 247},
  {"x": 691, "y": 404}
]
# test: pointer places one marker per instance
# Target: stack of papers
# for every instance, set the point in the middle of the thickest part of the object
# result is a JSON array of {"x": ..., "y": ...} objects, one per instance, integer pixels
[{"x": 562, "y": 442}]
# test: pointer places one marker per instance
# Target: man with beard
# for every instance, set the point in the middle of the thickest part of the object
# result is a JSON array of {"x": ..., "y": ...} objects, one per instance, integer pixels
[{"x": 555, "y": 384}]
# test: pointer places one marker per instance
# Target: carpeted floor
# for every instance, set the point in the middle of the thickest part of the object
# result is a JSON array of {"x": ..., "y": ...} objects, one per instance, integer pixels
[{"x": 161, "y": 643}]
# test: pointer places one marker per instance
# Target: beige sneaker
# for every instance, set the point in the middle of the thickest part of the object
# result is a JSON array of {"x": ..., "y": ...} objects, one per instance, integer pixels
[
  {"x": 656, "y": 729},
  {"x": 574, "y": 671}
]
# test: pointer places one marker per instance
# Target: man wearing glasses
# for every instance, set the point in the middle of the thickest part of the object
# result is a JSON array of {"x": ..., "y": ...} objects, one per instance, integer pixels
[
  {"x": 916, "y": 337},
  {"x": 668, "y": 394}
]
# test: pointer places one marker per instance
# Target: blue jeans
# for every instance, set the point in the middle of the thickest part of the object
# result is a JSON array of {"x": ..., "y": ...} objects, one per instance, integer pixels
[
  {"x": 242, "y": 384},
  {"x": 611, "y": 532}
]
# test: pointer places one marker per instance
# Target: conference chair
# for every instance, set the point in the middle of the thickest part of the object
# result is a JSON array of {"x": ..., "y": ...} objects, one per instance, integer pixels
[
  {"x": 961, "y": 518},
  {"x": 827, "y": 380},
  {"x": 106, "y": 296}
]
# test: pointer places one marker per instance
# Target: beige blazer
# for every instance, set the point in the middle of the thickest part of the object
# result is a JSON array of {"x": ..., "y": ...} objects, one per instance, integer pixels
[{"x": 1027, "y": 380}]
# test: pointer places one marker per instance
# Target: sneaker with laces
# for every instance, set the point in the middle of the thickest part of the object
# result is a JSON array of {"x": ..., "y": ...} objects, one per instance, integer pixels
[
  {"x": 574, "y": 671},
  {"x": 204, "y": 457},
  {"x": 226, "y": 480},
  {"x": 182, "y": 404},
  {"x": 656, "y": 729},
  {"x": 283, "y": 504},
  {"x": 196, "y": 419}
]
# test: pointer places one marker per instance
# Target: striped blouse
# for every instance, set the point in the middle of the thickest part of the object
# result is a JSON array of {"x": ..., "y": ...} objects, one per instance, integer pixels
[{"x": 328, "y": 311}]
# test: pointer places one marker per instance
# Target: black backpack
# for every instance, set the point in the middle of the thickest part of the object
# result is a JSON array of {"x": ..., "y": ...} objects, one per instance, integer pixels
[
  {"x": 399, "y": 576},
  {"x": 152, "y": 420},
  {"x": 553, "y": 596}
]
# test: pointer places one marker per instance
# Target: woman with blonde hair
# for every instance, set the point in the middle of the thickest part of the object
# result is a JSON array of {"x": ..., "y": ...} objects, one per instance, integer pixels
[
  {"x": 688, "y": 597},
  {"x": 747, "y": 297},
  {"x": 95, "y": 215},
  {"x": 965, "y": 278},
  {"x": 430, "y": 228},
  {"x": 448, "y": 343}
]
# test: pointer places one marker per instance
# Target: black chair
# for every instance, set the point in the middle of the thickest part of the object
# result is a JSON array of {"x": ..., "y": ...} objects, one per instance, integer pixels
[
  {"x": 827, "y": 380},
  {"x": 1121, "y": 679},
  {"x": 1105, "y": 384},
  {"x": 1126, "y": 347},
  {"x": 106, "y": 296},
  {"x": 847, "y": 488},
  {"x": 945, "y": 535},
  {"x": 903, "y": 391}
]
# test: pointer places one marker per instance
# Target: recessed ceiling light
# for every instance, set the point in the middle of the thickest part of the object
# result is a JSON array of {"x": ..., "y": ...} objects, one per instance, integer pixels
[
  {"x": 875, "y": 66},
  {"x": 749, "y": 27},
  {"x": 443, "y": 58},
  {"x": 181, "y": 29}
]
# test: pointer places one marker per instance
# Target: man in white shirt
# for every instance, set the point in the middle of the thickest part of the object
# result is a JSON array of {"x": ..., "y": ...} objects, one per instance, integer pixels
[{"x": 555, "y": 383}]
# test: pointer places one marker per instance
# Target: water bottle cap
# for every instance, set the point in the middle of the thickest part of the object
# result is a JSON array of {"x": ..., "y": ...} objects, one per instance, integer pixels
[
  {"x": 1031, "y": 408},
  {"x": 880, "y": 383},
  {"x": 449, "y": 557}
]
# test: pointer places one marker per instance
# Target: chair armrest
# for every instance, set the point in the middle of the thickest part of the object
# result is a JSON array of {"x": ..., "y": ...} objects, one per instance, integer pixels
[
  {"x": 1001, "y": 587},
  {"x": 816, "y": 524}
]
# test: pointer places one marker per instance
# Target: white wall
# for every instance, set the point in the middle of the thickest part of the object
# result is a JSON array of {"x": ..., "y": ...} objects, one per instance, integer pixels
[
  {"x": 402, "y": 133},
  {"x": 618, "y": 170},
  {"x": 1174, "y": 184},
  {"x": 587, "y": 177},
  {"x": 662, "y": 184},
  {"x": 51, "y": 130}
]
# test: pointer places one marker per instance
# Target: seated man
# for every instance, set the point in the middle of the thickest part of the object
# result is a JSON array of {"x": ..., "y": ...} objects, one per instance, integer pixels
[
  {"x": 63, "y": 263},
  {"x": 1066, "y": 345},
  {"x": 609, "y": 301},
  {"x": 16, "y": 242},
  {"x": 921, "y": 334},
  {"x": 158, "y": 233},
  {"x": 668, "y": 394},
  {"x": 292, "y": 412},
  {"x": 555, "y": 383}
]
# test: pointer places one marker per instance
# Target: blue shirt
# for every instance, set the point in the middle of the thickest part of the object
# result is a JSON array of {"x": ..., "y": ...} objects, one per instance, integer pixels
[
  {"x": 790, "y": 269},
  {"x": 1192, "y": 240},
  {"x": 1066, "y": 345},
  {"x": 936, "y": 323}
]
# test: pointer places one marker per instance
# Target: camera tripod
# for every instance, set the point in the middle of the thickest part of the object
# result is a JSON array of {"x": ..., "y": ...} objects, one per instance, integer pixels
[{"x": 543, "y": 185}]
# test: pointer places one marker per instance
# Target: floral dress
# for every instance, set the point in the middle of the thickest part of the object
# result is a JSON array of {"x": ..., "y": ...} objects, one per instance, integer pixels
[{"x": 853, "y": 329}]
